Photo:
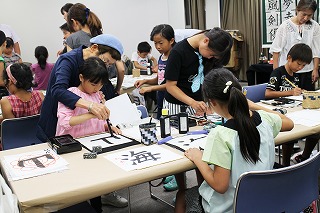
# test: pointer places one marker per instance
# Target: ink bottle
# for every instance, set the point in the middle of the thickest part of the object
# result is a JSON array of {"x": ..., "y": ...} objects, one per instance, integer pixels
[
  {"x": 148, "y": 68},
  {"x": 183, "y": 121},
  {"x": 165, "y": 128}
]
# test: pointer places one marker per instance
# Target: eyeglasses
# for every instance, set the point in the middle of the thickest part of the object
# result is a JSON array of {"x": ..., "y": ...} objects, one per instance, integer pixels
[{"x": 106, "y": 61}]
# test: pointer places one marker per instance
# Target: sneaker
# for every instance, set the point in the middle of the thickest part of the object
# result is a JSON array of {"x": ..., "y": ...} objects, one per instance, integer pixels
[
  {"x": 298, "y": 159},
  {"x": 113, "y": 199},
  {"x": 168, "y": 179},
  {"x": 295, "y": 155},
  {"x": 171, "y": 186}
]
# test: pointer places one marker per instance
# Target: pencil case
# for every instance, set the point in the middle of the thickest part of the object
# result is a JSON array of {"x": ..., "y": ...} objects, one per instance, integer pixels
[
  {"x": 311, "y": 100},
  {"x": 64, "y": 144}
]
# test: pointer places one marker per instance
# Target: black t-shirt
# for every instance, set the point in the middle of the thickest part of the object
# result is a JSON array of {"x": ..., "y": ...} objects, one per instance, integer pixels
[
  {"x": 277, "y": 80},
  {"x": 182, "y": 66}
]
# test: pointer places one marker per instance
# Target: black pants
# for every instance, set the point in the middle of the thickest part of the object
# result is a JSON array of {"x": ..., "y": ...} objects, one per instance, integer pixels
[{"x": 96, "y": 204}]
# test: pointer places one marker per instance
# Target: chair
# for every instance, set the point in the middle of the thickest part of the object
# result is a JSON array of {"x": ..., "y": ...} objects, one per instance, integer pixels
[
  {"x": 289, "y": 189},
  {"x": 255, "y": 93},
  {"x": 142, "y": 111},
  {"x": 19, "y": 132}
]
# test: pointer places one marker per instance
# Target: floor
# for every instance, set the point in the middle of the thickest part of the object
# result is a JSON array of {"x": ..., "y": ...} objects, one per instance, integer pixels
[{"x": 141, "y": 201}]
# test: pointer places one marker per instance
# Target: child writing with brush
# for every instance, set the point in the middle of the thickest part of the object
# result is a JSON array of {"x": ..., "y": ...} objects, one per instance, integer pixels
[
  {"x": 284, "y": 81},
  {"x": 80, "y": 122}
]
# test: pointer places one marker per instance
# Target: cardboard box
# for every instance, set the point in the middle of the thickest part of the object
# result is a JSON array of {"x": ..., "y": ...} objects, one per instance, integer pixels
[{"x": 234, "y": 54}]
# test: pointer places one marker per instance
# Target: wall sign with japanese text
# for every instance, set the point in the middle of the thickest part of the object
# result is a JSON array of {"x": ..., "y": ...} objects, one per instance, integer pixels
[{"x": 274, "y": 12}]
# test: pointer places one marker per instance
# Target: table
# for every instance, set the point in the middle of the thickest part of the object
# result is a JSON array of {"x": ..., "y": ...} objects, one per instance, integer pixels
[
  {"x": 86, "y": 179},
  {"x": 298, "y": 131},
  {"x": 259, "y": 73},
  {"x": 128, "y": 82}
]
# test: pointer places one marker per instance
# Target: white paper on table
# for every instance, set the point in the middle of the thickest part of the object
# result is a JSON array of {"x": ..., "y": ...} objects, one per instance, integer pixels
[
  {"x": 31, "y": 164},
  {"x": 104, "y": 140},
  {"x": 189, "y": 141},
  {"x": 295, "y": 97},
  {"x": 129, "y": 80},
  {"x": 306, "y": 117},
  {"x": 142, "y": 157},
  {"x": 272, "y": 102},
  {"x": 266, "y": 105},
  {"x": 122, "y": 110}
]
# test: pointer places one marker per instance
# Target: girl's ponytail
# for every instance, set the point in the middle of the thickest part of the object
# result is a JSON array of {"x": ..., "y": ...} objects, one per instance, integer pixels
[
  {"x": 41, "y": 53},
  {"x": 221, "y": 86},
  {"x": 248, "y": 134}
]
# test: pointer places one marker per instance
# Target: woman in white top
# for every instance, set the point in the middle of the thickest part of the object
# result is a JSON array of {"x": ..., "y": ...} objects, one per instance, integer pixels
[{"x": 299, "y": 29}]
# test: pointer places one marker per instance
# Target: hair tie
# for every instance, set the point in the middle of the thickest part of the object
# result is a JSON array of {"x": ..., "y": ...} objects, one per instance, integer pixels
[
  {"x": 228, "y": 84},
  {"x": 14, "y": 81},
  {"x": 87, "y": 10}
]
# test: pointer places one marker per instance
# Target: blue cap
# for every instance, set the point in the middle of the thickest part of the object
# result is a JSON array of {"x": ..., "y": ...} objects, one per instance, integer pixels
[{"x": 108, "y": 40}]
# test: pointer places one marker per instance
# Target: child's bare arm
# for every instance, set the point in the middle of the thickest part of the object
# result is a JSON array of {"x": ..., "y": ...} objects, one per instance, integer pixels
[
  {"x": 138, "y": 66},
  {"x": 287, "y": 123},
  {"x": 154, "y": 61},
  {"x": 1, "y": 74},
  {"x": 79, "y": 119},
  {"x": 276, "y": 94},
  {"x": 218, "y": 178},
  {"x": 154, "y": 64},
  {"x": 6, "y": 108}
]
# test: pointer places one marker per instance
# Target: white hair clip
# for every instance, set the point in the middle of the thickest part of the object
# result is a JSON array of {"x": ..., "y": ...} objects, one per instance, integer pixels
[{"x": 228, "y": 84}]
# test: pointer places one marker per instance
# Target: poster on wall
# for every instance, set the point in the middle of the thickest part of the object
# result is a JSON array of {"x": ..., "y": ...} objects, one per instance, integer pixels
[{"x": 274, "y": 12}]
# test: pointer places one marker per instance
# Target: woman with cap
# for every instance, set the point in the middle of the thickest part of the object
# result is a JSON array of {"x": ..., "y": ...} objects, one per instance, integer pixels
[{"x": 65, "y": 74}]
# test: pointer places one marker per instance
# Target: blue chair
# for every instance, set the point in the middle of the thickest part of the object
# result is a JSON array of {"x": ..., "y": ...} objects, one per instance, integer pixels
[
  {"x": 142, "y": 111},
  {"x": 289, "y": 189},
  {"x": 255, "y": 93},
  {"x": 19, "y": 132}
]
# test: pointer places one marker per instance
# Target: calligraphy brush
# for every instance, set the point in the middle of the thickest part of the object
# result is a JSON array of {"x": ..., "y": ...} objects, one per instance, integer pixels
[{"x": 109, "y": 127}]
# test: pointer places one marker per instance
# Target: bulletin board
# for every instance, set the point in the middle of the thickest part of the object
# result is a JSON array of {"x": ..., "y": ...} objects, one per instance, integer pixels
[{"x": 274, "y": 12}]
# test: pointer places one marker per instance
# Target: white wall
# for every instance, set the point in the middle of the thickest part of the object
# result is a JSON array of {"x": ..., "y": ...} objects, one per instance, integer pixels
[
  {"x": 212, "y": 14},
  {"x": 37, "y": 21}
]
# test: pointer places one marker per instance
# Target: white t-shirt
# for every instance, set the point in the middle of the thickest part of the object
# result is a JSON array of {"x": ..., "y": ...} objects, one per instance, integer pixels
[
  {"x": 141, "y": 61},
  {"x": 9, "y": 32},
  {"x": 288, "y": 35}
]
